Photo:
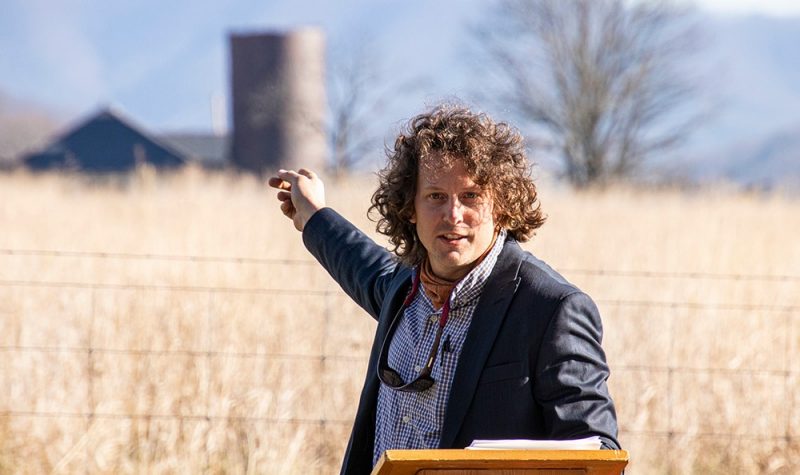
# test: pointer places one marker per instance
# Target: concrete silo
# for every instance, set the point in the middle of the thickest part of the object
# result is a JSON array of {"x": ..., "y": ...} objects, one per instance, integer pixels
[{"x": 278, "y": 90}]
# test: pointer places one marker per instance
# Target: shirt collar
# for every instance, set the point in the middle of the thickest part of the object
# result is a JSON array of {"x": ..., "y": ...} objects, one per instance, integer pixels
[{"x": 470, "y": 287}]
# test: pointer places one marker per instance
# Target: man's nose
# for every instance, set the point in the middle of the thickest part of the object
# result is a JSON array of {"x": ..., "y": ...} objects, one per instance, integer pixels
[{"x": 455, "y": 211}]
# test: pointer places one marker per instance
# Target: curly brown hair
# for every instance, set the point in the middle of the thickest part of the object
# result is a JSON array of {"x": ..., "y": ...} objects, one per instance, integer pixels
[{"x": 492, "y": 153}]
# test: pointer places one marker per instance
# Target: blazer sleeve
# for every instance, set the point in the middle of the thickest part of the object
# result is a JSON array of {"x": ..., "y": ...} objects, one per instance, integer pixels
[
  {"x": 571, "y": 374},
  {"x": 361, "y": 267}
]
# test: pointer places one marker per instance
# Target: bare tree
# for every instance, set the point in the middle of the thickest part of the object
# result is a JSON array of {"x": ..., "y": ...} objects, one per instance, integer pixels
[
  {"x": 602, "y": 77},
  {"x": 360, "y": 92},
  {"x": 353, "y": 80}
]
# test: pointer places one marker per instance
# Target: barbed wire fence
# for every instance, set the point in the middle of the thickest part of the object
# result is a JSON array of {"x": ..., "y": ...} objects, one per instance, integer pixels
[{"x": 785, "y": 313}]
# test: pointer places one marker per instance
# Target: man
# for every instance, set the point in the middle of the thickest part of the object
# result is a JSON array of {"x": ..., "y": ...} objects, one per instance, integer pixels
[{"x": 476, "y": 338}]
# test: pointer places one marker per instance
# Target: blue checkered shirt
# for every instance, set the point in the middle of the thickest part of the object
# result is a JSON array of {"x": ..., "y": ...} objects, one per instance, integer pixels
[{"x": 413, "y": 420}]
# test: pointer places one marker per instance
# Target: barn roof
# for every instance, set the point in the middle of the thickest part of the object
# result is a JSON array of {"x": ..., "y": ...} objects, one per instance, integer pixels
[
  {"x": 209, "y": 150},
  {"x": 105, "y": 142}
]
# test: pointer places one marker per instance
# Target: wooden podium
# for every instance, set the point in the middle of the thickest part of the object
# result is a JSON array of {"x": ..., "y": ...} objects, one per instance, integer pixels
[{"x": 501, "y": 462}]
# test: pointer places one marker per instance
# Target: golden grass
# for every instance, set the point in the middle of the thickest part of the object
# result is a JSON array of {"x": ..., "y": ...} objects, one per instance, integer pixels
[{"x": 131, "y": 365}]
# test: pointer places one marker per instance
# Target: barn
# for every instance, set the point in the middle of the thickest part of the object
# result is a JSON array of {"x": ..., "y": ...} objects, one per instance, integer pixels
[{"x": 105, "y": 142}]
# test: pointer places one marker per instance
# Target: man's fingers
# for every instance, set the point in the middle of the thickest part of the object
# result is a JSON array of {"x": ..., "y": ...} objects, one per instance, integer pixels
[
  {"x": 288, "y": 175},
  {"x": 279, "y": 183},
  {"x": 306, "y": 173},
  {"x": 284, "y": 195},
  {"x": 287, "y": 178},
  {"x": 287, "y": 208}
]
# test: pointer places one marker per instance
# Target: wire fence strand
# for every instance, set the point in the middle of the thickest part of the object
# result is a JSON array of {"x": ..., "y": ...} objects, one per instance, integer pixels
[
  {"x": 335, "y": 293},
  {"x": 180, "y": 417},
  {"x": 646, "y": 274},
  {"x": 179, "y": 353},
  {"x": 157, "y": 257}
]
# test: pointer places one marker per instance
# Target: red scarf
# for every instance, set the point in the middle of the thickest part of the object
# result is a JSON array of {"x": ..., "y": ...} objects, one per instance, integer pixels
[{"x": 437, "y": 288}]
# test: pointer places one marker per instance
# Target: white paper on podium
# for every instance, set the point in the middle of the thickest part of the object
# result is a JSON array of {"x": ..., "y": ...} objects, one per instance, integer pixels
[{"x": 588, "y": 443}]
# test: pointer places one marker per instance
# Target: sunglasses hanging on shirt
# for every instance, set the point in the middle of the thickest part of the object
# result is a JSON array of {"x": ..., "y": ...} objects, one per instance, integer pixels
[{"x": 391, "y": 377}]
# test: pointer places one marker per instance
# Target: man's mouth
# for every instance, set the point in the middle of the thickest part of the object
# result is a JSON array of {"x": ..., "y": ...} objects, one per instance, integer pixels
[{"x": 452, "y": 237}]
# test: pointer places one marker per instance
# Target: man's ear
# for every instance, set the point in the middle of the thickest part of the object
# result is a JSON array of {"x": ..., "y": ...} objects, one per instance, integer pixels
[{"x": 413, "y": 218}]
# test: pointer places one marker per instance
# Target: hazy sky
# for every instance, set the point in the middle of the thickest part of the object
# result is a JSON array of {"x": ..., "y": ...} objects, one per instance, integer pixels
[
  {"x": 164, "y": 62},
  {"x": 767, "y": 7}
]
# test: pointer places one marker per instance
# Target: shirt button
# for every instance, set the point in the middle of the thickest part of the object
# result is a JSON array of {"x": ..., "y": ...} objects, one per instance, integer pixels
[
  {"x": 406, "y": 419},
  {"x": 418, "y": 368},
  {"x": 434, "y": 319}
]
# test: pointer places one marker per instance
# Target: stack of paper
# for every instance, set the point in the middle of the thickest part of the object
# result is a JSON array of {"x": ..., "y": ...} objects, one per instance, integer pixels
[{"x": 588, "y": 443}]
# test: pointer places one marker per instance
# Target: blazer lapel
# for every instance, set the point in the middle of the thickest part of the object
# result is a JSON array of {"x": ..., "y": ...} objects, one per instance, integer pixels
[
  {"x": 486, "y": 323},
  {"x": 395, "y": 296}
]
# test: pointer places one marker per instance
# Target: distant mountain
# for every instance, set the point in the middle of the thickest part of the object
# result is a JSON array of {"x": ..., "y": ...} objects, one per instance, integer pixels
[
  {"x": 772, "y": 162},
  {"x": 751, "y": 70}
]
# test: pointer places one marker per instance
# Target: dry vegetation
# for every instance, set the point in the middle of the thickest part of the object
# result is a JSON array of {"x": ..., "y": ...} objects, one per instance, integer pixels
[{"x": 122, "y": 364}]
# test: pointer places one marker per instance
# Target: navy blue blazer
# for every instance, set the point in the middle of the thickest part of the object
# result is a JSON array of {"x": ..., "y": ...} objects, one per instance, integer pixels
[{"x": 531, "y": 367}]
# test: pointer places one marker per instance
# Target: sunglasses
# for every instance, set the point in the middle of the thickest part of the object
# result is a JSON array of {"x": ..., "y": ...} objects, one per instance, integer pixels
[{"x": 391, "y": 377}]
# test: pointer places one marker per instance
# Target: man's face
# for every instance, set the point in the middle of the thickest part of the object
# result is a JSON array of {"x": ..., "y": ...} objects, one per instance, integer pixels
[{"x": 454, "y": 217}]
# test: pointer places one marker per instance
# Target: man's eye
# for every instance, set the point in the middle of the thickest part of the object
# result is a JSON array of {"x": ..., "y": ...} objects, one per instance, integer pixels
[
  {"x": 437, "y": 196},
  {"x": 471, "y": 195}
]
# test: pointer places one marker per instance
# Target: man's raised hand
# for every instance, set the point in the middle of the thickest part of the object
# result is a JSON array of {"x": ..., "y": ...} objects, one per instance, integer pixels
[{"x": 301, "y": 194}]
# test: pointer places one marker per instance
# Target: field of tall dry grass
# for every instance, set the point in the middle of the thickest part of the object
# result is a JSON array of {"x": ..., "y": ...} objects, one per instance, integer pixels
[{"x": 175, "y": 325}]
